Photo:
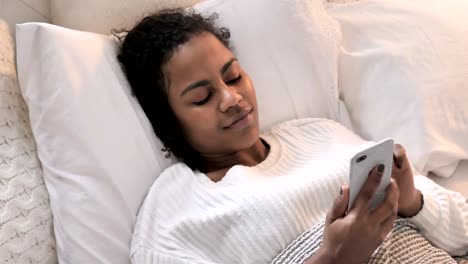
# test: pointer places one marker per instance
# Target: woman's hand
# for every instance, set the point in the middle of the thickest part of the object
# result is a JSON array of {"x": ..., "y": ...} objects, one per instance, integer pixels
[
  {"x": 410, "y": 201},
  {"x": 353, "y": 237}
]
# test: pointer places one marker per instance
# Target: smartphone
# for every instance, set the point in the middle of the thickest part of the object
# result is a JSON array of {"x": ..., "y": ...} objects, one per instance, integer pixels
[{"x": 363, "y": 162}]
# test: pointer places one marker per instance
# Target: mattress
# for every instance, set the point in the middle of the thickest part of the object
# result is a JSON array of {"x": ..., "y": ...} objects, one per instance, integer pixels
[{"x": 458, "y": 181}]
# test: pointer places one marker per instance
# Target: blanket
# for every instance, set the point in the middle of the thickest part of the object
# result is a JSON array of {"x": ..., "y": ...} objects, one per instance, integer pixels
[{"x": 404, "y": 245}]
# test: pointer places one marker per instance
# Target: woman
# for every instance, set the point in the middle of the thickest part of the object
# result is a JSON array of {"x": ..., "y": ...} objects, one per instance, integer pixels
[{"x": 236, "y": 197}]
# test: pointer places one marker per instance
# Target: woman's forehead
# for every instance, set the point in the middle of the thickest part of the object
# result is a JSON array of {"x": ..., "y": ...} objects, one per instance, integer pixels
[
  {"x": 203, "y": 54},
  {"x": 201, "y": 50}
]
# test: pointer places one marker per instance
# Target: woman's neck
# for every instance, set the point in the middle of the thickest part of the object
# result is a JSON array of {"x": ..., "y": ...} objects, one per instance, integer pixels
[{"x": 216, "y": 167}]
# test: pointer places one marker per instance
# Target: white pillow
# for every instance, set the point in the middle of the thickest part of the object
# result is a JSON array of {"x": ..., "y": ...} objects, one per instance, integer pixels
[
  {"x": 97, "y": 158},
  {"x": 104, "y": 15},
  {"x": 100, "y": 157},
  {"x": 404, "y": 74}
]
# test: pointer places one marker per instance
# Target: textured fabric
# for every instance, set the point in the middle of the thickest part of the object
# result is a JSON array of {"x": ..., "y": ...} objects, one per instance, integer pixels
[
  {"x": 406, "y": 62},
  {"x": 404, "y": 245},
  {"x": 253, "y": 213},
  {"x": 26, "y": 234}
]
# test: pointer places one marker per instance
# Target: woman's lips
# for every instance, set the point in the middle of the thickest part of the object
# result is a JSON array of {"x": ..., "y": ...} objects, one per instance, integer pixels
[{"x": 242, "y": 122}]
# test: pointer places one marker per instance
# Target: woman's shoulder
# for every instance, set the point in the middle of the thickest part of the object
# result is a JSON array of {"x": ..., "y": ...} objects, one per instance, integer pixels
[
  {"x": 163, "y": 204},
  {"x": 167, "y": 187},
  {"x": 174, "y": 176},
  {"x": 178, "y": 167},
  {"x": 176, "y": 172}
]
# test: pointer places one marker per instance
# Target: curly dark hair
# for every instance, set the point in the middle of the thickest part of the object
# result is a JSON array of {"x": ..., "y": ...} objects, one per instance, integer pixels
[{"x": 144, "y": 50}]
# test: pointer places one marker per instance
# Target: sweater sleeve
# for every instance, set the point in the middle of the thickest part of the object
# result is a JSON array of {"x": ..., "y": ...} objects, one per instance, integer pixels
[{"x": 443, "y": 219}]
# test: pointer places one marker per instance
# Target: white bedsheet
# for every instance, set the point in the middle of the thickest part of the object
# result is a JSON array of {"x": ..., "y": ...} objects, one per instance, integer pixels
[{"x": 458, "y": 181}]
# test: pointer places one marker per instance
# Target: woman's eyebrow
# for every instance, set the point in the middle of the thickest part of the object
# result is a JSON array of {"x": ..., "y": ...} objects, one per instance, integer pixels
[
  {"x": 227, "y": 65},
  {"x": 195, "y": 85},
  {"x": 201, "y": 83}
]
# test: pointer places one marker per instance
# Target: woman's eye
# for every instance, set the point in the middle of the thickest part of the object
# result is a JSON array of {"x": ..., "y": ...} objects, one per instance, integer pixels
[
  {"x": 234, "y": 81},
  {"x": 204, "y": 101}
]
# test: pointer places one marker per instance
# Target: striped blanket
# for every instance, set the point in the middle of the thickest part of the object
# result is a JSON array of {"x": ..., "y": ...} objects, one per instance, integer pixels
[{"x": 404, "y": 245}]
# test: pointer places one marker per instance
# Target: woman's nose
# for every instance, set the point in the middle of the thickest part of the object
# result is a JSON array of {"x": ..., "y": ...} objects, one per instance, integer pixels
[{"x": 229, "y": 98}]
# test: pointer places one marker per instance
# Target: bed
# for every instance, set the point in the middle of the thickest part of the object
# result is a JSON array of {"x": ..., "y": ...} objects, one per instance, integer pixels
[
  {"x": 49, "y": 102},
  {"x": 458, "y": 181}
]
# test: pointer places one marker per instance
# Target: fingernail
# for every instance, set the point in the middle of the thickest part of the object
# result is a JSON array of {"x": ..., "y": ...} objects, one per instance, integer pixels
[
  {"x": 341, "y": 191},
  {"x": 397, "y": 161},
  {"x": 381, "y": 168}
]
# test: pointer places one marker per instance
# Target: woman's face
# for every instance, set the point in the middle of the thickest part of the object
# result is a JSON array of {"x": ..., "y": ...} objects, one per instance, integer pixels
[{"x": 212, "y": 97}]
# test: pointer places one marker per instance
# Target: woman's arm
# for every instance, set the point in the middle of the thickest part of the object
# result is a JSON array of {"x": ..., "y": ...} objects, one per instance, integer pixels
[
  {"x": 352, "y": 237},
  {"x": 443, "y": 219},
  {"x": 441, "y": 215}
]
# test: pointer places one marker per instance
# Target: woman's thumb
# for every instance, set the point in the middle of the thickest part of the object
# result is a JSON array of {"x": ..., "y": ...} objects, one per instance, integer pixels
[{"x": 340, "y": 205}]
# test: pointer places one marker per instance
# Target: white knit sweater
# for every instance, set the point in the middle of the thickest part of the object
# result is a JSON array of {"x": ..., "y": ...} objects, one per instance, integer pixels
[{"x": 255, "y": 212}]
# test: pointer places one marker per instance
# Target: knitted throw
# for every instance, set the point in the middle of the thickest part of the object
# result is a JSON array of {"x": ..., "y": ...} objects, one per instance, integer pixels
[
  {"x": 26, "y": 234},
  {"x": 404, "y": 245}
]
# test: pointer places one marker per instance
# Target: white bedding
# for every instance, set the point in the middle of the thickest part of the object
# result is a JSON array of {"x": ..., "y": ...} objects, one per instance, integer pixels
[{"x": 458, "y": 181}]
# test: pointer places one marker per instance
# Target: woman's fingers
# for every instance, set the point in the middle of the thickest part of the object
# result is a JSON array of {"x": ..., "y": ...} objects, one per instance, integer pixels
[
  {"x": 389, "y": 206},
  {"x": 388, "y": 223},
  {"x": 370, "y": 187},
  {"x": 387, "y": 226},
  {"x": 399, "y": 156},
  {"x": 354, "y": 236},
  {"x": 339, "y": 206}
]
